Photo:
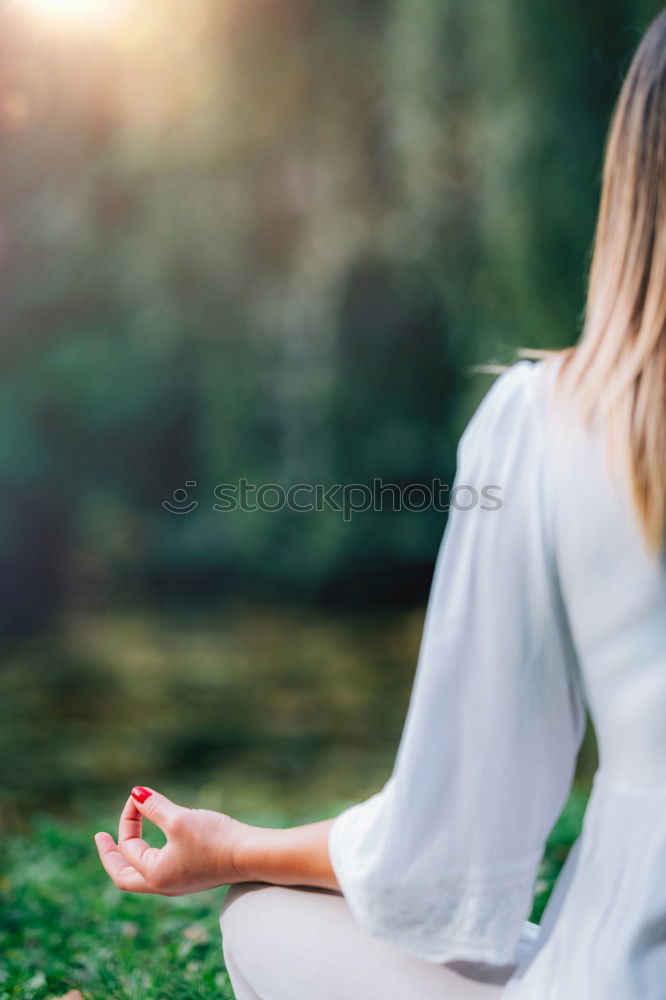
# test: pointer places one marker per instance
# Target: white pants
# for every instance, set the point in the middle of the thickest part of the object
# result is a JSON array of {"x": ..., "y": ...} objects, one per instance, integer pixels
[{"x": 304, "y": 944}]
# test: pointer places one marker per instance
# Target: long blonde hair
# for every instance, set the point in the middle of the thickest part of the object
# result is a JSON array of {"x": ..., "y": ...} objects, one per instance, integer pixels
[{"x": 618, "y": 369}]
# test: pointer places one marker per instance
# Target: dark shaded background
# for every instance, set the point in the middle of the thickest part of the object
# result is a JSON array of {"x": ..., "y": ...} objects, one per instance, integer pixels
[{"x": 261, "y": 239}]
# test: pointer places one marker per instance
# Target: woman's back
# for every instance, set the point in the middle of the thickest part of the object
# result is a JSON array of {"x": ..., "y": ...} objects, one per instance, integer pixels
[
  {"x": 604, "y": 931},
  {"x": 614, "y": 591}
]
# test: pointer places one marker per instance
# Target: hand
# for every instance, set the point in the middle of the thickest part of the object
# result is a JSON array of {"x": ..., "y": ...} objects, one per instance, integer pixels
[{"x": 198, "y": 854}]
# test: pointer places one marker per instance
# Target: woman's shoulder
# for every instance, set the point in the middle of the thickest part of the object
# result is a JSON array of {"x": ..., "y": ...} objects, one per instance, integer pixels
[
  {"x": 524, "y": 383},
  {"x": 511, "y": 409}
]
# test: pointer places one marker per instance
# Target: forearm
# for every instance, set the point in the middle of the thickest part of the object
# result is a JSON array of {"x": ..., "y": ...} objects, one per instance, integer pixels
[{"x": 293, "y": 856}]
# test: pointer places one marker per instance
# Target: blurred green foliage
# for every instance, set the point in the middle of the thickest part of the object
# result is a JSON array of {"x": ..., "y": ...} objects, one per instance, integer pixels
[
  {"x": 246, "y": 710},
  {"x": 263, "y": 240}
]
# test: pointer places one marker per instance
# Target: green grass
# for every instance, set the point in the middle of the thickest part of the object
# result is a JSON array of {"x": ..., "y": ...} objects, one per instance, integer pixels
[
  {"x": 65, "y": 926},
  {"x": 559, "y": 844}
]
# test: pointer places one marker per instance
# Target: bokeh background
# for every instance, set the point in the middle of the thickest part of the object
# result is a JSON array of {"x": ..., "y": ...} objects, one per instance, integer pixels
[{"x": 262, "y": 239}]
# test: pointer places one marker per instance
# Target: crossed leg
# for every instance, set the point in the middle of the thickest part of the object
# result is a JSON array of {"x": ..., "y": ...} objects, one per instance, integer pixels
[{"x": 304, "y": 944}]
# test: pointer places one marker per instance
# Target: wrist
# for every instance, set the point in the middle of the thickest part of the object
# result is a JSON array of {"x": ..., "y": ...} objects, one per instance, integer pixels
[
  {"x": 241, "y": 852},
  {"x": 291, "y": 856}
]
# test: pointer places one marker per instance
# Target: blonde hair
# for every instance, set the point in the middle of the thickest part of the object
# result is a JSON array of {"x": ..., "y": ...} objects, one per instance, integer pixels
[{"x": 617, "y": 371}]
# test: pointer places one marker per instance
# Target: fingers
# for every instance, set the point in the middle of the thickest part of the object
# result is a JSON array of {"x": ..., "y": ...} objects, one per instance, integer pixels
[
  {"x": 137, "y": 854},
  {"x": 140, "y": 856},
  {"x": 122, "y": 874},
  {"x": 129, "y": 826},
  {"x": 156, "y": 807}
]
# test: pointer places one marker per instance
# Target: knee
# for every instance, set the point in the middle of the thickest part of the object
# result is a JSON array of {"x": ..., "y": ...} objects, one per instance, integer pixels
[
  {"x": 247, "y": 923},
  {"x": 234, "y": 892},
  {"x": 233, "y": 915},
  {"x": 247, "y": 917},
  {"x": 234, "y": 926}
]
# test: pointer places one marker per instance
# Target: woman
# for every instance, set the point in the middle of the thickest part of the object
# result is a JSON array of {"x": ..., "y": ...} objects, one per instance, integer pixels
[{"x": 554, "y": 603}]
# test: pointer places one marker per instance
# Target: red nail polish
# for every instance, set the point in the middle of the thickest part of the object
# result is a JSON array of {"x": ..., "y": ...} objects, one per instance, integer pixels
[{"x": 140, "y": 793}]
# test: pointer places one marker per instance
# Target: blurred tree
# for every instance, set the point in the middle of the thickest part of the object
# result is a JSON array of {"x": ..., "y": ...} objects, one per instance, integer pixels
[{"x": 262, "y": 241}]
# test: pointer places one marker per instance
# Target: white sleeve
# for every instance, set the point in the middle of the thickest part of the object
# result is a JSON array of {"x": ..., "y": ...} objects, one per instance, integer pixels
[{"x": 442, "y": 861}]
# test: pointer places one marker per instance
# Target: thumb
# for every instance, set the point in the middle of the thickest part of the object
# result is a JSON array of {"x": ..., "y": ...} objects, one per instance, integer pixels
[{"x": 156, "y": 807}]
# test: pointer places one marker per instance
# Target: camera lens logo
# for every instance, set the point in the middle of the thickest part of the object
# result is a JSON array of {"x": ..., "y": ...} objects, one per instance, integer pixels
[{"x": 179, "y": 503}]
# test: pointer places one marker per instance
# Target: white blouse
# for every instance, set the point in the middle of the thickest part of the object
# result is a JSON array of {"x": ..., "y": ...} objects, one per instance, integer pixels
[{"x": 539, "y": 609}]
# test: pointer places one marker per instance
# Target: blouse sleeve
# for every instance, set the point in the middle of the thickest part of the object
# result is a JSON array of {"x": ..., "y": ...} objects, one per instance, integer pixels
[{"x": 442, "y": 861}]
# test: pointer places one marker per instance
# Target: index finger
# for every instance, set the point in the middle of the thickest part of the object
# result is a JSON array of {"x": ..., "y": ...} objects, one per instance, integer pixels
[
  {"x": 133, "y": 848},
  {"x": 129, "y": 826}
]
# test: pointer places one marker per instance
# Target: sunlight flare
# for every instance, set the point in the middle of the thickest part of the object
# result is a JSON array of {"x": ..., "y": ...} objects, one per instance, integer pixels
[{"x": 75, "y": 12}]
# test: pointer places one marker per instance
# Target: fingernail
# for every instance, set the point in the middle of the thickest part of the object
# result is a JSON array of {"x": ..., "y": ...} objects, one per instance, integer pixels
[{"x": 140, "y": 793}]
